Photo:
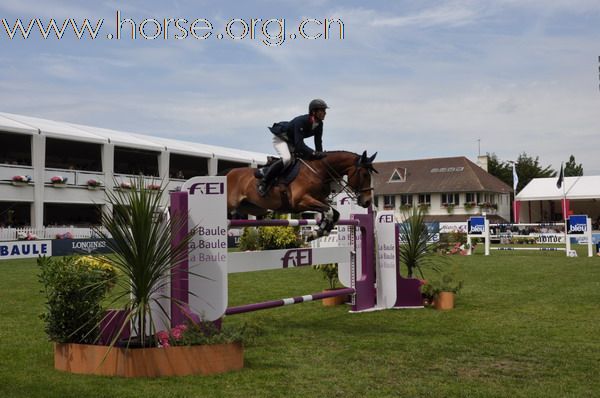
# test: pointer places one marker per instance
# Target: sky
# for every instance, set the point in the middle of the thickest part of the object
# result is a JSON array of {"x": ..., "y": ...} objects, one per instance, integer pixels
[{"x": 408, "y": 79}]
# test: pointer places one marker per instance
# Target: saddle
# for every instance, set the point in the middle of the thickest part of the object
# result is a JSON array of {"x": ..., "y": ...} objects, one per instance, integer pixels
[{"x": 286, "y": 176}]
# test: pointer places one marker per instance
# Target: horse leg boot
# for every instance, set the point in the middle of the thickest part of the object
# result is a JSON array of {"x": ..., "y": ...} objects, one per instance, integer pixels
[{"x": 265, "y": 183}]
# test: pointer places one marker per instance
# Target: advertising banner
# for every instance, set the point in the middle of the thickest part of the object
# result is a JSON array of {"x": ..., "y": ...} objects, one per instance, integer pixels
[
  {"x": 25, "y": 249},
  {"x": 207, "y": 206}
]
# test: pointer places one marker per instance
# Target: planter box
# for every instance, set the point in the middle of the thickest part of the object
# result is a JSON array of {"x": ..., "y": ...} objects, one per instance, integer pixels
[
  {"x": 148, "y": 362},
  {"x": 333, "y": 301},
  {"x": 444, "y": 301}
]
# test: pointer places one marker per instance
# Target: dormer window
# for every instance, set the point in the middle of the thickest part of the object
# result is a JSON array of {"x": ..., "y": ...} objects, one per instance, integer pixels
[{"x": 399, "y": 175}]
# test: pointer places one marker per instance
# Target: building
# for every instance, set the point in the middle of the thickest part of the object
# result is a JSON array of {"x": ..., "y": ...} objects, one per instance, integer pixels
[
  {"x": 44, "y": 150},
  {"x": 451, "y": 189}
]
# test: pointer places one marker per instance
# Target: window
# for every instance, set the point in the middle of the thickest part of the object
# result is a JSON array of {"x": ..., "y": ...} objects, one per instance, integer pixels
[
  {"x": 424, "y": 199},
  {"x": 136, "y": 161},
  {"x": 399, "y": 175},
  {"x": 389, "y": 202},
  {"x": 223, "y": 166},
  {"x": 185, "y": 167},
  {"x": 406, "y": 200},
  {"x": 450, "y": 198},
  {"x": 73, "y": 155},
  {"x": 471, "y": 197},
  {"x": 15, "y": 149}
]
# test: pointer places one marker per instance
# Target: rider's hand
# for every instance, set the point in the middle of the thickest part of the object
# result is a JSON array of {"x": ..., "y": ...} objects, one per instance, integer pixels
[{"x": 318, "y": 155}]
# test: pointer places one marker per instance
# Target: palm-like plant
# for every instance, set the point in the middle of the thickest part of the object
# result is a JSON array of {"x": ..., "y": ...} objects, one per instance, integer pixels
[
  {"x": 139, "y": 233},
  {"x": 415, "y": 247}
]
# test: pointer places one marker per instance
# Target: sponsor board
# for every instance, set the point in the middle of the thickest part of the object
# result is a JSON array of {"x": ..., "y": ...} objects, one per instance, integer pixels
[
  {"x": 25, "y": 249},
  {"x": 66, "y": 247},
  {"x": 476, "y": 226},
  {"x": 577, "y": 225},
  {"x": 207, "y": 256}
]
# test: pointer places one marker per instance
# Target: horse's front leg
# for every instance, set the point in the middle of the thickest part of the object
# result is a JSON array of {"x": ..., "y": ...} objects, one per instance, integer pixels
[
  {"x": 328, "y": 214},
  {"x": 328, "y": 220}
]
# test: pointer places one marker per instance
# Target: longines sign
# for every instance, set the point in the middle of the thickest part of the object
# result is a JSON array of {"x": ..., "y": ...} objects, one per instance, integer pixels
[{"x": 65, "y": 247}]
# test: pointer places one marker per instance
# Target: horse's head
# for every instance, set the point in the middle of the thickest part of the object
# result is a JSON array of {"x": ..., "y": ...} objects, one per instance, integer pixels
[{"x": 360, "y": 179}]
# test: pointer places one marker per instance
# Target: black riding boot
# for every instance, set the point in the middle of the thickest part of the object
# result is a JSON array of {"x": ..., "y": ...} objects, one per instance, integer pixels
[{"x": 266, "y": 181}]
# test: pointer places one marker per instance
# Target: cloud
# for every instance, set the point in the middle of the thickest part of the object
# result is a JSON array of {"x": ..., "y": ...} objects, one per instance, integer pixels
[{"x": 453, "y": 14}]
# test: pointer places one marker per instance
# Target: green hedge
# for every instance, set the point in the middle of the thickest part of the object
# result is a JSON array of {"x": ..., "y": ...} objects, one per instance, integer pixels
[{"x": 74, "y": 288}]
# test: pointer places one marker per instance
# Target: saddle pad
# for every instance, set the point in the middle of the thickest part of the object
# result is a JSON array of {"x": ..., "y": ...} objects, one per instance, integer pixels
[{"x": 286, "y": 176}]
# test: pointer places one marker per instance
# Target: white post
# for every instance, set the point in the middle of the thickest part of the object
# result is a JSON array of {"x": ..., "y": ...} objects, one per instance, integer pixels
[
  {"x": 486, "y": 238},
  {"x": 567, "y": 238},
  {"x": 588, "y": 232},
  {"x": 469, "y": 245}
]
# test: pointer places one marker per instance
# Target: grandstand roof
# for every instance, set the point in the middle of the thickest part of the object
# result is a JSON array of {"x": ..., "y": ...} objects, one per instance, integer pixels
[{"x": 77, "y": 132}]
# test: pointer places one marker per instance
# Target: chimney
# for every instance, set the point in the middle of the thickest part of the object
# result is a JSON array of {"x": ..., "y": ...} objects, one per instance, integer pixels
[{"x": 482, "y": 161}]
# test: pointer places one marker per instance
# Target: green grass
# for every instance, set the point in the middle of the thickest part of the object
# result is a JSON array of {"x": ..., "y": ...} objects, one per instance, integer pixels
[{"x": 527, "y": 324}]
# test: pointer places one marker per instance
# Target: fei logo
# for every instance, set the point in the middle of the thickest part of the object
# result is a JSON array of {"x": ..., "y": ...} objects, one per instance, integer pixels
[
  {"x": 298, "y": 257},
  {"x": 476, "y": 226},
  {"x": 386, "y": 218},
  {"x": 346, "y": 200},
  {"x": 577, "y": 224},
  {"x": 208, "y": 188}
]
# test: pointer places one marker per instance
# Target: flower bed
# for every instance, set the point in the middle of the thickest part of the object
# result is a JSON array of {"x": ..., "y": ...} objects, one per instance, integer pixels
[
  {"x": 91, "y": 183},
  {"x": 58, "y": 180},
  {"x": 21, "y": 180},
  {"x": 148, "y": 362}
]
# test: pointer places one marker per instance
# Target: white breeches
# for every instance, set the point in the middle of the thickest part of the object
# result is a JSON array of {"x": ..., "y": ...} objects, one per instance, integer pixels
[{"x": 282, "y": 150}]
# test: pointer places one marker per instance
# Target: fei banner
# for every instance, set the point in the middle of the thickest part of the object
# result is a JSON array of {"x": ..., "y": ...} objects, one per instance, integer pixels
[{"x": 207, "y": 256}]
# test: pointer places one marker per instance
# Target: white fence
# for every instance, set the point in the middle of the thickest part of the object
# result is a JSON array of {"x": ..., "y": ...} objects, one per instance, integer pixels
[{"x": 7, "y": 234}]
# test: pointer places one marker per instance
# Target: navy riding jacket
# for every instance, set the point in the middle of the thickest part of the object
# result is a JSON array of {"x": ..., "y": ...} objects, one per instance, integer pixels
[{"x": 295, "y": 131}]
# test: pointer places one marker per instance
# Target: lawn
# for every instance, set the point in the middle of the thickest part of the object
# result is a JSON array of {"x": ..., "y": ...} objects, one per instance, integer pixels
[{"x": 527, "y": 324}]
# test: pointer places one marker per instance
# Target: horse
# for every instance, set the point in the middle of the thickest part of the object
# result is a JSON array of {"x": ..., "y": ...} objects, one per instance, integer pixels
[{"x": 308, "y": 191}]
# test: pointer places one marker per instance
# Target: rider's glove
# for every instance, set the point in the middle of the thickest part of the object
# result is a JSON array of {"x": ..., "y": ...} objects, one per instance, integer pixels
[{"x": 318, "y": 155}]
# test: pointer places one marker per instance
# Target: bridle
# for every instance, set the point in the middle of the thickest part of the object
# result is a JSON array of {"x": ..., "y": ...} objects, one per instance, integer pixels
[{"x": 352, "y": 192}]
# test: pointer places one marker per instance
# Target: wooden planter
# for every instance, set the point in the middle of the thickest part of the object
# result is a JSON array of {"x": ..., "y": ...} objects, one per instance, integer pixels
[
  {"x": 444, "y": 301},
  {"x": 148, "y": 362},
  {"x": 333, "y": 301}
]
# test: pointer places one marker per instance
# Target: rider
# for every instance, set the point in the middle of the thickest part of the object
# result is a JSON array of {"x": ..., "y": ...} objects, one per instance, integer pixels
[{"x": 288, "y": 138}]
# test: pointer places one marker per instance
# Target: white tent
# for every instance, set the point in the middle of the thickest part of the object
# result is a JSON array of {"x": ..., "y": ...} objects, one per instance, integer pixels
[{"x": 544, "y": 198}]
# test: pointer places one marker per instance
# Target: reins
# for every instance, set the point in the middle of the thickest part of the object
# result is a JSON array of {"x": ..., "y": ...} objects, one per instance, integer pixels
[{"x": 335, "y": 176}]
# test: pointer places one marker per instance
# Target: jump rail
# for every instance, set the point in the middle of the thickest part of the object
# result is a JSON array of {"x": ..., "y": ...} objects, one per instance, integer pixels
[
  {"x": 288, "y": 301},
  {"x": 574, "y": 226}
]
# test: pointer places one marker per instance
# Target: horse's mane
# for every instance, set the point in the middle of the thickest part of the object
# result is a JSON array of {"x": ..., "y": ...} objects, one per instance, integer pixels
[{"x": 352, "y": 153}]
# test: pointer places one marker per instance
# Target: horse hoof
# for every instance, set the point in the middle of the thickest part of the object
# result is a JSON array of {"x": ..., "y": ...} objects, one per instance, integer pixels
[{"x": 313, "y": 235}]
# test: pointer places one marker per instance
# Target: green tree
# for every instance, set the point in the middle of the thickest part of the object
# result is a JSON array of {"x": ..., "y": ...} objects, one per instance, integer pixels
[
  {"x": 529, "y": 168},
  {"x": 500, "y": 169},
  {"x": 572, "y": 169}
]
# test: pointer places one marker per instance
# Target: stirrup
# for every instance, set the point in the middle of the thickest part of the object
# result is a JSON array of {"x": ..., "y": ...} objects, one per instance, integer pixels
[{"x": 262, "y": 188}]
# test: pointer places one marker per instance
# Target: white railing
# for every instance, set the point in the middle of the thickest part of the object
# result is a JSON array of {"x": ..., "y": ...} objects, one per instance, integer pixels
[{"x": 7, "y": 234}]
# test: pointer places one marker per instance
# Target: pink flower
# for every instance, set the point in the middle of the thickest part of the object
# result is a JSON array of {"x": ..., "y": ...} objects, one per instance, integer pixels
[
  {"x": 163, "y": 338},
  {"x": 177, "y": 331}
]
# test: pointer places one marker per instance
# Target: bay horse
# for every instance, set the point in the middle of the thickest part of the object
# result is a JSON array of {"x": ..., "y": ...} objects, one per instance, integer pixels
[{"x": 308, "y": 191}]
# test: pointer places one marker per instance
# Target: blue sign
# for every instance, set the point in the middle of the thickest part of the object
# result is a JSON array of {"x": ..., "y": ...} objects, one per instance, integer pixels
[
  {"x": 577, "y": 225},
  {"x": 476, "y": 226},
  {"x": 67, "y": 247}
]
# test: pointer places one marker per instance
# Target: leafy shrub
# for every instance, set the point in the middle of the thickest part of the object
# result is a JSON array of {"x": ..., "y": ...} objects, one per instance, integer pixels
[
  {"x": 447, "y": 281},
  {"x": 74, "y": 288},
  {"x": 277, "y": 237},
  {"x": 330, "y": 272},
  {"x": 450, "y": 239},
  {"x": 207, "y": 333},
  {"x": 249, "y": 239}
]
